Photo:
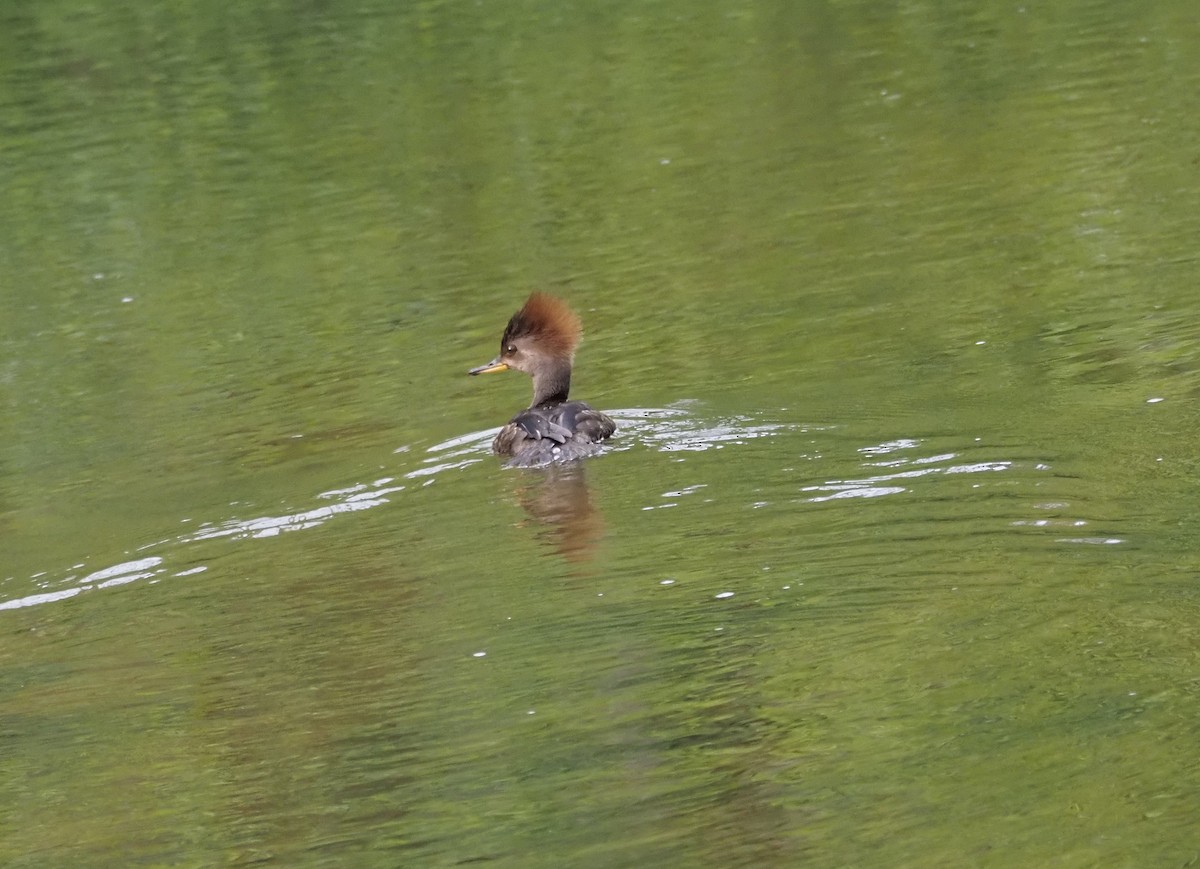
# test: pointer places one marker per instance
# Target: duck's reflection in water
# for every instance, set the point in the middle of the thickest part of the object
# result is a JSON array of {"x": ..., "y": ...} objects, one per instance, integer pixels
[{"x": 559, "y": 505}]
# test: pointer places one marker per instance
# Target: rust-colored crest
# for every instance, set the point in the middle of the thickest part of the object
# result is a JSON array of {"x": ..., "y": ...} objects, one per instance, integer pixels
[{"x": 549, "y": 322}]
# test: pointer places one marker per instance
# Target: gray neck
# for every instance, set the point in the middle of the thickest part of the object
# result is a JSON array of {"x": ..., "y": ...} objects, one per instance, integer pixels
[{"x": 552, "y": 383}]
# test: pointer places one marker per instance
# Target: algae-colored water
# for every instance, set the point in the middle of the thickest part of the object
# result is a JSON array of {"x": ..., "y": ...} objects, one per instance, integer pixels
[{"x": 893, "y": 561}]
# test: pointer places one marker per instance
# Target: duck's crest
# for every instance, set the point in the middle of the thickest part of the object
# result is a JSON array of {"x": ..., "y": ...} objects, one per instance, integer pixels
[{"x": 548, "y": 320}]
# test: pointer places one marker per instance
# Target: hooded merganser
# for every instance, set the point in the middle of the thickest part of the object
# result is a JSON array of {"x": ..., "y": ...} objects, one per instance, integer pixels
[{"x": 540, "y": 340}]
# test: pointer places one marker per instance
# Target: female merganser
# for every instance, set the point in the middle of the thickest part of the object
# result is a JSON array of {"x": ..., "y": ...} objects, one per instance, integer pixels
[{"x": 540, "y": 340}]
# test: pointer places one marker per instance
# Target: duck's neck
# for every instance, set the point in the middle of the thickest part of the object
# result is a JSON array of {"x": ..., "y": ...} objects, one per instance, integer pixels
[{"x": 552, "y": 382}]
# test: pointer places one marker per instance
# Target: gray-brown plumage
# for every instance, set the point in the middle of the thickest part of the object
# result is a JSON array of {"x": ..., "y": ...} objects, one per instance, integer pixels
[{"x": 540, "y": 340}]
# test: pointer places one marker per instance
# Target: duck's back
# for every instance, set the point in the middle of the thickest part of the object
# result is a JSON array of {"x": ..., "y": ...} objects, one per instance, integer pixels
[{"x": 553, "y": 433}]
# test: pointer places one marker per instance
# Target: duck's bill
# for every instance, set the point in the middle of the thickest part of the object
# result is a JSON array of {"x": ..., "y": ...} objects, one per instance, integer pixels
[{"x": 494, "y": 365}]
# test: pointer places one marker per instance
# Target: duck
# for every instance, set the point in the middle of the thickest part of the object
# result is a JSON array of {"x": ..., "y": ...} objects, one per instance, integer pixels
[{"x": 540, "y": 340}]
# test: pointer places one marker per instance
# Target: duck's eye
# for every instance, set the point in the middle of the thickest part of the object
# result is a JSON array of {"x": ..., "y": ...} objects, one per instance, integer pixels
[{"x": 510, "y": 349}]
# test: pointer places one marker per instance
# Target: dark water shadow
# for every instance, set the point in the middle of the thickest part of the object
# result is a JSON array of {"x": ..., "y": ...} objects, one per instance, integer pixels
[{"x": 559, "y": 505}]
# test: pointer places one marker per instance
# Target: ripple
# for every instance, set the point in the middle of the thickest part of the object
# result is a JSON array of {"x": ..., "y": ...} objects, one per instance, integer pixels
[
  {"x": 674, "y": 430},
  {"x": 877, "y": 485},
  {"x": 117, "y": 574},
  {"x": 663, "y": 429}
]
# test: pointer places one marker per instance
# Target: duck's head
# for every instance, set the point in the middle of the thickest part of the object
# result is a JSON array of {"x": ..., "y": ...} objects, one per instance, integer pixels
[{"x": 540, "y": 340}]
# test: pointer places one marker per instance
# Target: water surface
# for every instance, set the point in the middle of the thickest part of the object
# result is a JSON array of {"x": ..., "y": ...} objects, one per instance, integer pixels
[{"x": 892, "y": 561}]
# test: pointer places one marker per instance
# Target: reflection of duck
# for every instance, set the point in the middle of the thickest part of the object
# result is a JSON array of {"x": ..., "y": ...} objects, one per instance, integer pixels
[
  {"x": 540, "y": 340},
  {"x": 558, "y": 500}
]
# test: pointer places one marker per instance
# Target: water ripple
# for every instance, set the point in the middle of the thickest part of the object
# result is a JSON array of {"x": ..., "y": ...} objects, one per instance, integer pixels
[{"x": 664, "y": 429}]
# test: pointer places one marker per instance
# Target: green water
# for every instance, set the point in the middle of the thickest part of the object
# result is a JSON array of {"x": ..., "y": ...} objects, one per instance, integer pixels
[{"x": 893, "y": 561}]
